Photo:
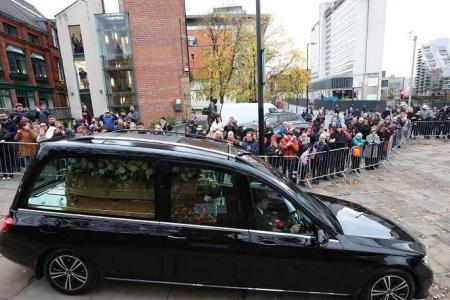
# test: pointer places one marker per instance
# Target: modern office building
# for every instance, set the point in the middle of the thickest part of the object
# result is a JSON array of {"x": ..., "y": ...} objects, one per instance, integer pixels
[
  {"x": 136, "y": 56},
  {"x": 30, "y": 66},
  {"x": 346, "y": 53},
  {"x": 433, "y": 68}
]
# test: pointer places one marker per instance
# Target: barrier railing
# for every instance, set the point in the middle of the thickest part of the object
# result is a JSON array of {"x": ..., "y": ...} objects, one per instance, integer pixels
[
  {"x": 15, "y": 157},
  {"x": 369, "y": 156},
  {"x": 427, "y": 129},
  {"x": 288, "y": 165},
  {"x": 316, "y": 165}
]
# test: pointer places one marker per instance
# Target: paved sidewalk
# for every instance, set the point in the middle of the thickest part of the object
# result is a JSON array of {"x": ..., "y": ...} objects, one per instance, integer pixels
[{"x": 414, "y": 192}]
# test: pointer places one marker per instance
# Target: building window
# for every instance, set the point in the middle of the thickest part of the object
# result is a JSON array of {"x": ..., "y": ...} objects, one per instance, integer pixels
[
  {"x": 59, "y": 69},
  {"x": 192, "y": 41},
  {"x": 17, "y": 65},
  {"x": 33, "y": 38},
  {"x": 9, "y": 29},
  {"x": 83, "y": 76},
  {"x": 115, "y": 42},
  {"x": 45, "y": 97},
  {"x": 119, "y": 81},
  {"x": 55, "y": 37},
  {"x": 39, "y": 66},
  {"x": 5, "y": 100},
  {"x": 76, "y": 40},
  {"x": 26, "y": 98}
]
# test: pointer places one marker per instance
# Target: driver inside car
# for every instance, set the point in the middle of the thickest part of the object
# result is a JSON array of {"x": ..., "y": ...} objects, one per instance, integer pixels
[{"x": 263, "y": 222}]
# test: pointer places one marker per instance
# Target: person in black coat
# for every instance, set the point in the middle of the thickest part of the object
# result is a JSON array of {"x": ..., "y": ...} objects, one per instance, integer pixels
[
  {"x": 19, "y": 113},
  {"x": 8, "y": 130}
]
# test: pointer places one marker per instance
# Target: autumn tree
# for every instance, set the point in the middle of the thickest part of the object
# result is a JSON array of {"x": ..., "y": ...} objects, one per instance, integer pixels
[{"x": 229, "y": 69}]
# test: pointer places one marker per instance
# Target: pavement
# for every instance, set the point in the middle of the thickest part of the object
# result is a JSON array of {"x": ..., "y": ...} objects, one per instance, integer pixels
[{"x": 414, "y": 192}]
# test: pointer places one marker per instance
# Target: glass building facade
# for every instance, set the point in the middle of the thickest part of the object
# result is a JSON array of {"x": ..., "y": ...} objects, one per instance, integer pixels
[{"x": 115, "y": 46}]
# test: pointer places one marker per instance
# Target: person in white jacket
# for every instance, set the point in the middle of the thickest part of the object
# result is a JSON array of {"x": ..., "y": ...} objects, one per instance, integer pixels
[
  {"x": 45, "y": 132},
  {"x": 216, "y": 125}
]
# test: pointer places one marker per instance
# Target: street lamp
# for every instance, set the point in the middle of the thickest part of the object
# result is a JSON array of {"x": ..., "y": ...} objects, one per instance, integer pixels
[
  {"x": 307, "y": 74},
  {"x": 260, "y": 70}
]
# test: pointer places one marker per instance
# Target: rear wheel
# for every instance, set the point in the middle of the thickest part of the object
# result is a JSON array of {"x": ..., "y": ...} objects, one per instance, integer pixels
[
  {"x": 69, "y": 273},
  {"x": 390, "y": 285}
]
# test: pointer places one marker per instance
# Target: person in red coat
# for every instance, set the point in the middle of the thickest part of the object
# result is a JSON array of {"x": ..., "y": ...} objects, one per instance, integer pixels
[{"x": 289, "y": 145}]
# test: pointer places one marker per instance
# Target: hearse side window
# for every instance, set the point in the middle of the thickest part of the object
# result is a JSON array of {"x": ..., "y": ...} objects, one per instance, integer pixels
[
  {"x": 97, "y": 186},
  {"x": 274, "y": 212},
  {"x": 203, "y": 196}
]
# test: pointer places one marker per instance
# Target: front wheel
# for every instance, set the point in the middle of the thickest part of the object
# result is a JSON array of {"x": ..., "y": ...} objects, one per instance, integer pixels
[
  {"x": 390, "y": 285},
  {"x": 69, "y": 273}
]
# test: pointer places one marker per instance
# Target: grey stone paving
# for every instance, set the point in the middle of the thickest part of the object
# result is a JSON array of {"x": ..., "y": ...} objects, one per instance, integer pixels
[{"x": 415, "y": 192}]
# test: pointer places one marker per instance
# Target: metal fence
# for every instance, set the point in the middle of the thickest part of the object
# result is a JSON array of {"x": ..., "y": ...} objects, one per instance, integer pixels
[
  {"x": 15, "y": 157},
  {"x": 427, "y": 129},
  {"x": 288, "y": 165}
]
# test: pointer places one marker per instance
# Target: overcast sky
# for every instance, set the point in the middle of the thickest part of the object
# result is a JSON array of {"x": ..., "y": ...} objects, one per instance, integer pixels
[{"x": 429, "y": 19}]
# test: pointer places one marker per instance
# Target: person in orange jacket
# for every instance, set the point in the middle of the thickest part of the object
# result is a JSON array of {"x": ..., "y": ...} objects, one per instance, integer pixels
[{"x": 289, "y": 145}]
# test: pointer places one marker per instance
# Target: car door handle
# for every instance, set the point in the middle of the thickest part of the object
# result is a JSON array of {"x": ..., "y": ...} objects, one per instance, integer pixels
[
  {"x": 266, "y": 243},
  {"x": 177, "y": 237}
]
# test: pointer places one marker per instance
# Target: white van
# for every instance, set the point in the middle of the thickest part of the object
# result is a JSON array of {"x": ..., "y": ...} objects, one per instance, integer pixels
[{"x": 244, "y": 112}]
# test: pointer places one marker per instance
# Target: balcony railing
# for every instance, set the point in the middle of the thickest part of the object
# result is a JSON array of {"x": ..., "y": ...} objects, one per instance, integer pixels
[
  {"x": 41, "y": 79},
  {"x": 18, "y": 76}
]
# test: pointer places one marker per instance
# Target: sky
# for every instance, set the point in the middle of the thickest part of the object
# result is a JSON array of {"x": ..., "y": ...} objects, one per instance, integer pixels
[{"x": 428, "y": 19}]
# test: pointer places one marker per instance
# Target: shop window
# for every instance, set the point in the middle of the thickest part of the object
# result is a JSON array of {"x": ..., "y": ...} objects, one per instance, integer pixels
[
  {"x": 9, "y": 29},
  {"x": 5, "y": 100},
  {"x": 98, "y": 186},
  {"x": 33, "y": 38}
]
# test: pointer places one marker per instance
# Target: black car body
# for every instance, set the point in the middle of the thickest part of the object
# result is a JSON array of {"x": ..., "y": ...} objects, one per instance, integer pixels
[{"x": 310, "y": 243}]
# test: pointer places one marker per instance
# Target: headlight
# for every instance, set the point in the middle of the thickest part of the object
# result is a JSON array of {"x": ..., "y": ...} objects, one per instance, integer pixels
[{"x": 425, "y": 260}]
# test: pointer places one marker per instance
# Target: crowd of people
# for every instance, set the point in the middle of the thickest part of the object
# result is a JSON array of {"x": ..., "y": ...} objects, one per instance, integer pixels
[
  {"x": 285, "y": 146},
  {"x": 366, "y": 132},
  {"x": 29, "y": 128}
]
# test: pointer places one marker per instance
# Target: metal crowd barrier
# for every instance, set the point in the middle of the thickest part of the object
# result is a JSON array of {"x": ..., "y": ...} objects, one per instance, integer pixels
[
  {"x": 369, "y": 156},
  {"x": 427, "y": 129},
  {"x": 316, "y": 165},
  {"x": 288, "y": 165},
  {"x": 15, "y": 157}
]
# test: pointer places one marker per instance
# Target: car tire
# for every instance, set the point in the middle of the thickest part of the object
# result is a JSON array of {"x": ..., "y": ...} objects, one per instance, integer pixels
[
  {"x": 69, "y": 273},
  {"x": 387, "y": 283}
]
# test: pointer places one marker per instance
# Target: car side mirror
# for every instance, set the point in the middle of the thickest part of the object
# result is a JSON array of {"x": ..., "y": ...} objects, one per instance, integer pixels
[{"x": 322, "y": 237}]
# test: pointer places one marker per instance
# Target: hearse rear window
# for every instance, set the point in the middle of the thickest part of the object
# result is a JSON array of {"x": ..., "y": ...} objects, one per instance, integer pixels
[{"x": 99, "y": 186}]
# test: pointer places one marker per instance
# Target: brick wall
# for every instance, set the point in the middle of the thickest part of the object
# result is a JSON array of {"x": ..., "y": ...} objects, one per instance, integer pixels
[{"x": 159, "y": 44}]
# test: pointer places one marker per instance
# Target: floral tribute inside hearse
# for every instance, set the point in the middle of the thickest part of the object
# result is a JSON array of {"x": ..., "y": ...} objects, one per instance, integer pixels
[{"x": 101, "y": 186}]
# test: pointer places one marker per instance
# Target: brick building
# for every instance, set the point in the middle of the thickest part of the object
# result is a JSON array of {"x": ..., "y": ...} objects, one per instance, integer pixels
[
  {"x": 136, "y": 56},
  {"x": 160, "y": 55},
  {"x": 30, "y": 66}
]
